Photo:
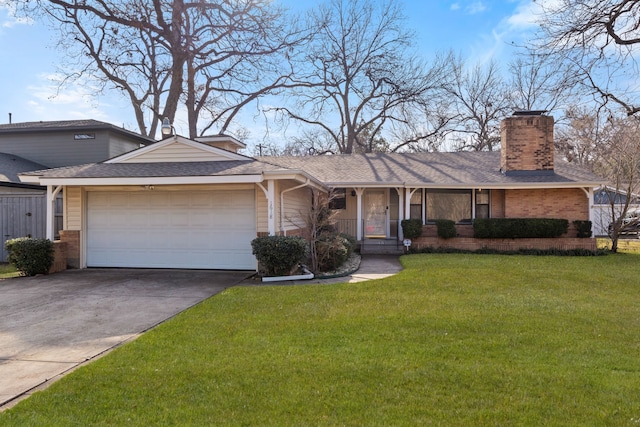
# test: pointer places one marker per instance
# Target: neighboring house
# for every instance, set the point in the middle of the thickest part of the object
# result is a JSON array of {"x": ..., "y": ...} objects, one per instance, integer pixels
[
  {"x": 68, "y": 142},
  {"x": 22, "y": 206},
  {"x": 187, "y": 204},
  {"x": 32, "y": 146},
  {"x": 605, "y": 199}
]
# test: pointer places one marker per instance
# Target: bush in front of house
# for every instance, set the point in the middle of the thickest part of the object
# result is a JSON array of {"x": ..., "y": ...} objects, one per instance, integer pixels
[
  {"x": 279, "y": 255},
  {"x": 519, "y": 228},
  {"x": 30, "y": 256},
  {"x": 584, "y": 228},
  {"x": 446, "y": 228},
  {"x": 411, "y": 228},
  {"x": 332, "y": 250}
]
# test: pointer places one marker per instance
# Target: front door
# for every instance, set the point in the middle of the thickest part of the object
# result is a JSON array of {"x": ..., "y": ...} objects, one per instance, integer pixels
[{"x": 375, "y": 216}]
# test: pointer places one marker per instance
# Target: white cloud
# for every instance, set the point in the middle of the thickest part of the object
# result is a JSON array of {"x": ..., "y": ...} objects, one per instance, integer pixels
[
  {"x": 455, "y": 6},
  {"x": 475, "y": 7},
  {"x": 74, "y": 101}
]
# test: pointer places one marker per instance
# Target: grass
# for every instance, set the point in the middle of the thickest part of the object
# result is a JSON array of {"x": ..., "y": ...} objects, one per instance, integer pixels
[
  {"x": 7, "y": 271},
  {"x": 624, "y": 245},
  {"x": 452, "y": 340}
]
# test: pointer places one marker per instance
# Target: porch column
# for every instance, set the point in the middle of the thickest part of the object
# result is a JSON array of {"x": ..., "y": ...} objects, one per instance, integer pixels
[
  {"x": 359, "y": 231},
  {"x": 270, "y": 194},
  {"x": 400, "y": 192},
  {"x": 51, "y": 209},
  {"x": 589, "y": 193}
]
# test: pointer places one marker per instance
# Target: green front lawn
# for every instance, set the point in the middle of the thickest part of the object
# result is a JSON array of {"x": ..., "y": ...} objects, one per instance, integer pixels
[
  {"x": 452, "y": 340},
  {"x": 7, "y": 271}
]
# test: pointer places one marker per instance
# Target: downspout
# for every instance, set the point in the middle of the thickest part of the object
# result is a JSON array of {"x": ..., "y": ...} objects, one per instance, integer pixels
[{"x": 284, "y": 231}]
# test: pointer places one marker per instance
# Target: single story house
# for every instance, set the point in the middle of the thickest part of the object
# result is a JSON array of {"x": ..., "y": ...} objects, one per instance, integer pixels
[{"x": 181, "y": 203}]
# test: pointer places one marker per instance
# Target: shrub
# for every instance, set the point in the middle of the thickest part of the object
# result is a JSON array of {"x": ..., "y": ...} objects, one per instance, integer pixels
[
  {"x": 332, "y": 250},
  {"x": 30, "y": 256},
  {"x": 279, "y": 255},
  {"x": 519, "y": 228},
  {"x": 446, "y": 228},
  {"x": 411, "y": 228},
  {"x": 352, "y": 242},
  {"x": 584, "y": 228}
]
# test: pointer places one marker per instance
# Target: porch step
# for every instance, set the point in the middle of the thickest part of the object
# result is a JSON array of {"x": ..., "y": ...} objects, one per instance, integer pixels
[{"x": 381, "y": 247}]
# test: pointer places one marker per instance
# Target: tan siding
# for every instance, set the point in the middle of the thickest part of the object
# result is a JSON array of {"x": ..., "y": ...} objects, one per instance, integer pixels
[
  {"x": 296, "y": 206},
  {"x": 262, "y": 225},
  {"x": 176, "y": 152},
  {"x": 73, "y": 208}
]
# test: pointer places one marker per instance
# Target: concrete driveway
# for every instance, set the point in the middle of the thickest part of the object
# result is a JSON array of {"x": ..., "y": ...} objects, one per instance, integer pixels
[{"x": 51, "y": 324}]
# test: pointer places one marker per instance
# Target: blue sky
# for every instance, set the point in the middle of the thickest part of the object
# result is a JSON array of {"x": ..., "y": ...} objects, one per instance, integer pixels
[{"x": 477, "y": 29}]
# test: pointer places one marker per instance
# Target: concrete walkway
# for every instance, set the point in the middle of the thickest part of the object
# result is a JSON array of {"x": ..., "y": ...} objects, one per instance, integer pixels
[{"x": 51, "y": 324}]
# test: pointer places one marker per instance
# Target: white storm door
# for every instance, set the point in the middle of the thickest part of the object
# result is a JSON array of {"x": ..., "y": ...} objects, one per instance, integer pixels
[{"x": 375, "y": 214}]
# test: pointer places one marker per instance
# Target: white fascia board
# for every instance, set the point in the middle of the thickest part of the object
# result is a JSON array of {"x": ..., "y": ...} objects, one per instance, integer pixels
[
  {"x": 296, "y": 175},
  {"x": 177, "y": 180},
  {"x": 516, "y": 186},
  {"x": 30, "y": 179},
  {"x": 466, "y": 186}
]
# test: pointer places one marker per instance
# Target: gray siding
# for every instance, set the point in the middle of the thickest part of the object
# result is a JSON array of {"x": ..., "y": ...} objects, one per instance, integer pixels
[
  {"x": 56, "y": 149},
  {"x": 21, "y": 216}
]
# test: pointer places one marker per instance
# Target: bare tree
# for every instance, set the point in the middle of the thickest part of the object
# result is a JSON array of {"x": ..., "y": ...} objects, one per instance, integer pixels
[
  {"x": 481, "y": 100},
  {"x": 538, "y": 83},
  {"x": 609, "y": 147},
  {"x": 358, "y": 75},
  {"x": 210, "y": 58},
  {"x": 621, "y": 165},
  {"x": 596, "y": 39}
]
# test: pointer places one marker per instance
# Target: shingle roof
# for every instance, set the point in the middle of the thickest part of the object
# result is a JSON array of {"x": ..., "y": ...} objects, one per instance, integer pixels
[
  {"x": 68, "y": 125},
  {"x": 11, "y": 165},
  {"x": 440, "y": 169},
  {"x": 162, "y": 169},
  {"x": 464, "y": 169}
]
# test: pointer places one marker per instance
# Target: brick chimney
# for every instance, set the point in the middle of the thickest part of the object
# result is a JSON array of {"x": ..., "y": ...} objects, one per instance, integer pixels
[{"x": 527, "y": 144}]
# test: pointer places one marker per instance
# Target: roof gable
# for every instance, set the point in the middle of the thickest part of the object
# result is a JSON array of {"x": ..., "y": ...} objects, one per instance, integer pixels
[{"x": 177, "y": 149}]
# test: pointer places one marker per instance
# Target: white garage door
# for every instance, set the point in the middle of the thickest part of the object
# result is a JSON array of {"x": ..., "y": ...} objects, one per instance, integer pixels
[{"x": 171, "y": 229}]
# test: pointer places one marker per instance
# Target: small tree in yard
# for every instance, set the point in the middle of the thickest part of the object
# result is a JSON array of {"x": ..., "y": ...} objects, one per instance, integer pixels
[{"x": 328, "y": 249}]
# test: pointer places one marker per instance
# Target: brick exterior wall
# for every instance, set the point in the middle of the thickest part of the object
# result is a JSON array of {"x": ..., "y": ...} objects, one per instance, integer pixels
[
  {"x": 505, "y": 245},
  {"x": 527, "y": 143},
  {"x": 567, "y": 203},
  {"x": 59, "y": 257},
  {"x": 71, "y": 238}
]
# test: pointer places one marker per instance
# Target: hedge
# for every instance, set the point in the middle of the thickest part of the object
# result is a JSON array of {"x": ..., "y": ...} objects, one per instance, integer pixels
[
  {"x": 411, "y": 228},
  {"x": 519, "y": 228},
  {"x": 279, "y": 255},
  {"x": 30, "y": 256},
  {"x": 584, "y": 228},
  {"x": 446, "y": 228}
]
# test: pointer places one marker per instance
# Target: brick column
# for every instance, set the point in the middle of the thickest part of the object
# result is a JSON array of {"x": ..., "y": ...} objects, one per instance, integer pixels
[{"x": 72, "y": 240}]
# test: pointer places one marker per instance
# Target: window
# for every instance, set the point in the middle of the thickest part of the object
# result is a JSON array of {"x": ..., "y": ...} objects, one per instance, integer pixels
[
  {"x": 338, "y": 199},
  {"x": 449, "y": 204},
  {"x": 482, "y": 204},
  {"x": 415, "y": 205}
]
